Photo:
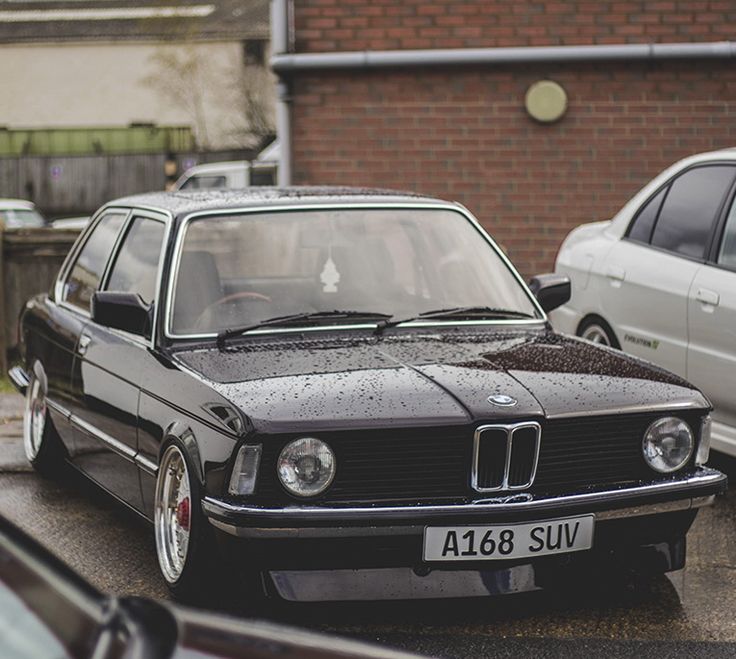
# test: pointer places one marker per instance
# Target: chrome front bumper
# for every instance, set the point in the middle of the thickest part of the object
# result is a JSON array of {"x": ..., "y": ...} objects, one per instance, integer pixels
[
  {"x": 19, "y": 378},
  {"x": 245, "y": 521}
]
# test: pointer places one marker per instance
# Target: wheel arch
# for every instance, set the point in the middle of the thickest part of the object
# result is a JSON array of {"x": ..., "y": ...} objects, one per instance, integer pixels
[{"x": 590, "y": 318}]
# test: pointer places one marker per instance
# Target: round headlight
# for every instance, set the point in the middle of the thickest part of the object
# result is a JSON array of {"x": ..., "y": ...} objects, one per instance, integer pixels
[
  {"x": 668, "y": 444},
  {"x": 306, "y": 467}
]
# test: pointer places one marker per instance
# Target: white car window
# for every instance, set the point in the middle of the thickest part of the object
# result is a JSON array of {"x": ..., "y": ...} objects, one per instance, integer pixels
[
  {"x": 686, "y": 219},
  {"x": 204, "y": 183},
  {"x": 727, "y": 254},
  {"x": 641, "y": 227}
]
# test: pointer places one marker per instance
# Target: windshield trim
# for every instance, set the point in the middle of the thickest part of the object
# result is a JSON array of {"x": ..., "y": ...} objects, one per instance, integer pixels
[{"x": 259, "y": 210}]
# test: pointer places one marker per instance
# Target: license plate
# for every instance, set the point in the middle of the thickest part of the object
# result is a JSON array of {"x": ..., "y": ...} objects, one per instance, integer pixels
[{"x": 508, "y": 541}]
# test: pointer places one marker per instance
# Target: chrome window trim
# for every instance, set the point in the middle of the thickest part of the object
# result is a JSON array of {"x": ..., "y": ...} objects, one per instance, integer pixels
[
  {"x": 143, "y": 211},
  {"x": 167, "y": 220},
  {"x": 704, "y": 477},
  {"x": 254, "y": 210},
  {"x": 510, "y": 429},
  {"x": 71, "y": 258}
]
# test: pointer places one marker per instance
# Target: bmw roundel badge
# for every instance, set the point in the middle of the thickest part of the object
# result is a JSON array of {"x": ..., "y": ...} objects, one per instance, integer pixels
[{"x": 502, "y": 400}]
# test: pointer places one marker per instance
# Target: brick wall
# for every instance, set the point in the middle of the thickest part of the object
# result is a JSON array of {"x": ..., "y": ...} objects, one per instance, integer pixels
[
  {"x": 336, "y": 25},
  {"x": 462, "y": 133}
]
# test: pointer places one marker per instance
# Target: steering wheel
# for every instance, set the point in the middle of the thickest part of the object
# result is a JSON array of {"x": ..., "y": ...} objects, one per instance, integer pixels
[{"x": 209, "y": 311}]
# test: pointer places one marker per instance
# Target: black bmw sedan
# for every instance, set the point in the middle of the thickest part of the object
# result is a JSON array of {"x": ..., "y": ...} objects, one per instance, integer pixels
[{"x": 342, "y": 394}]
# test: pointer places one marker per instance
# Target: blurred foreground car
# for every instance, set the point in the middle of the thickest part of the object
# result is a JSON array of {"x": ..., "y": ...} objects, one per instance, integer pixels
[
  {"x": 46, "y": 610},
  {"x": 357, "y": 396},
  {"x": 659, "y": 280},
  {"x": 20, "y": 214}
]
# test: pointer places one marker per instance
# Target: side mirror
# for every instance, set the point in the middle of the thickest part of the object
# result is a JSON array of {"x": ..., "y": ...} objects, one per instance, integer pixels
[
  {"x": 551, "y": 290},
  {"x": 123, "y": 311}
]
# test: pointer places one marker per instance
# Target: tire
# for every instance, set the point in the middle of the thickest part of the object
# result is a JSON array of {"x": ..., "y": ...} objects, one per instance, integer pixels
[
  {"x": 41, "y": 442},
  {"x": 597, "y": 330},
  {"x": 185, "y": 544}
]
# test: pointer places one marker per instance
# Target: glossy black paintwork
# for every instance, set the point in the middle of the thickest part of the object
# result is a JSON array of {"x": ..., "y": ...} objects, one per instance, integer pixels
[
  {"x": 142, "y": 393},
  {"x": 419, "y": 377}
]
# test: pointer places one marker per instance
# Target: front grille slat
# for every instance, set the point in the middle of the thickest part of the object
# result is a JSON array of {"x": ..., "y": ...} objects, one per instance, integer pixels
[{"x": 434, "y": 464}]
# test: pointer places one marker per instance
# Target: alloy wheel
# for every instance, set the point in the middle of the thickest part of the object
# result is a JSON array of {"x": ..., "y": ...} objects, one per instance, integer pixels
[
  {"x": 34, "y": 419},
  {"x": 596, "y": 334},
  {"x": 173, "y": 514}
]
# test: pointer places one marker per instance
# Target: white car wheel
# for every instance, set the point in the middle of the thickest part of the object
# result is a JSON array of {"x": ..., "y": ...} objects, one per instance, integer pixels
[
  {"x": 598, "y": 331},
  {"x": 34, "y": 419},
  {"x": 173, "y": 514}
]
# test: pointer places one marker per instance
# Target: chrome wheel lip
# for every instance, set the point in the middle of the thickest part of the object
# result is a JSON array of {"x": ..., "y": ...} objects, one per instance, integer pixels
[
  {"x": 172, "y": 539},
  {"x": 34, "y": 419},
  {"x": 596, "y": 334}
]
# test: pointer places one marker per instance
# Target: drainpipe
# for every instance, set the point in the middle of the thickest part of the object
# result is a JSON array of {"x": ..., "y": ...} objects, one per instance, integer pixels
[
  {"x": 283, "y": 62},
  {"x": 280, "y": 48}
]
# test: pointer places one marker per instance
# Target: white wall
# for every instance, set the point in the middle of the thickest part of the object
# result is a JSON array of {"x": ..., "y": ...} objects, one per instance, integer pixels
[{"x": 115, "y": 84}]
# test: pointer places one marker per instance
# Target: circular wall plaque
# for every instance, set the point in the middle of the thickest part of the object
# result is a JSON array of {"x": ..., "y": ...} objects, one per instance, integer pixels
[{"x": 546, "y": 101}]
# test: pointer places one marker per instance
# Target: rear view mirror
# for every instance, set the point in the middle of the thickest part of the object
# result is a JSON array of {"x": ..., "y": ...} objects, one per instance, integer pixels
[
  {"x": 551, "y": 290},
  {"x": 123, "y": 311}
]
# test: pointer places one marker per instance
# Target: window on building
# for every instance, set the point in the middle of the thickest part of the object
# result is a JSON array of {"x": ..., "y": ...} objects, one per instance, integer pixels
[{"x": 254, "y": 53}]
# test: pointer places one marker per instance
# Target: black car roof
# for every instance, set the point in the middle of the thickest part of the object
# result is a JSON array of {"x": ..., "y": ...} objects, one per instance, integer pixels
[{"x": 183, "y": 202}]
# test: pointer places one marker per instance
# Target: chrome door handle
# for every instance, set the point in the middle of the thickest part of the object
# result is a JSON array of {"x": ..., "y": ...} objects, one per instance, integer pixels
[
  {"x": 705, "y": 296},
  {"x": 84, "y": 341},
  {"x": 616, "y": 273}
]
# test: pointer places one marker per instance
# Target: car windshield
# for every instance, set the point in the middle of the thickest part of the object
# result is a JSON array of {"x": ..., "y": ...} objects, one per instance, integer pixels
[
  {"x": 17, "y": 218},
  {"x": 240, "y": 270}
]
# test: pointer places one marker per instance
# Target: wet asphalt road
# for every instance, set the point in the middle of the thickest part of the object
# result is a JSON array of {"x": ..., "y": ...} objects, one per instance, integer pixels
[{"x": 685, "y": 614}]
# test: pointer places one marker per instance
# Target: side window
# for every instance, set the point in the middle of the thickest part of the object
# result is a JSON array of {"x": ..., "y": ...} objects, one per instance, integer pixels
[
  {"x": 727, "y": 252},
  {"x": 204, "y": 183},
  {"x": 135, "y": 269},
  {"x": 641, "y": 228},
  {"x": 689, "y": 210},
  {"x": 84, "y": 277}
]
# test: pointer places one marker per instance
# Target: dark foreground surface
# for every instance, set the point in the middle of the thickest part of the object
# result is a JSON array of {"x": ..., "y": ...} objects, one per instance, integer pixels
[{"x": 686, "y": 614}]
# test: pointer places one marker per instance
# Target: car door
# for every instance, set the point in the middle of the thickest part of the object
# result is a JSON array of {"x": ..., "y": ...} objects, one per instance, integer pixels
[
  {"x": 649, "y": 273},
  {"x": 110, "y": 365},
  {"x": 68, "y": 314},
  {"x": 711, "y": 359}
]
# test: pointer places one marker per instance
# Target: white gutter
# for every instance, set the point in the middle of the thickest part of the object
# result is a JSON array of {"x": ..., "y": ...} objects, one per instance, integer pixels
[
  {"x": 288, "y": 62},
  {"x": 279, "y": 48}
]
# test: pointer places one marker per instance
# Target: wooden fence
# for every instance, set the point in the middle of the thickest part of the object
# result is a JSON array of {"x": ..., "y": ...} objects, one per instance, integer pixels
[
  {"x": 29, "y": 262},
  {"x": 78, "y": 185}
]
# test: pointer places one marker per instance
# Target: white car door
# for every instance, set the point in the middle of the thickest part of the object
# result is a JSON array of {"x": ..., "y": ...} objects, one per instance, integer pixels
[
  {"x": 647, "y": 276},
  {"x": 711, "y": 360}
]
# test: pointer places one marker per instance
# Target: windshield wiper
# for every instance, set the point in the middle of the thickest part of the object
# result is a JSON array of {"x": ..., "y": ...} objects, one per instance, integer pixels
[
  {"x": 224, "y": 335},
  {"x": 455, "y": 312}
]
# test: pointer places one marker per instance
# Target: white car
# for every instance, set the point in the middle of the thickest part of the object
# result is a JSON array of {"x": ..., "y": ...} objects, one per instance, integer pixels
[
  {"x": 659, "y": 280},
  {"x": 234, "y": 174},
  {"x": 20, "y": 214}
]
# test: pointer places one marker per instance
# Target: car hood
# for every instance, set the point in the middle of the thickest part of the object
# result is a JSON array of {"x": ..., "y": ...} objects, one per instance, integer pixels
[{"x": 438, "y": 378}]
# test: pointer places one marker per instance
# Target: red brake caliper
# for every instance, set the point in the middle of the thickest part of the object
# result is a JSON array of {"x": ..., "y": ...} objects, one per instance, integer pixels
[{"x": 183, "y": 514}]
